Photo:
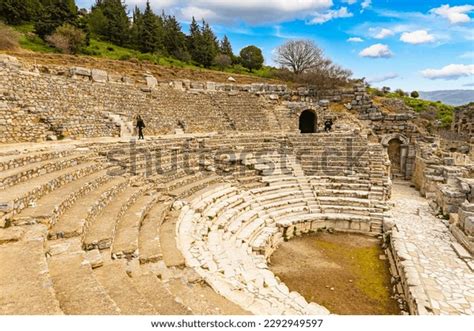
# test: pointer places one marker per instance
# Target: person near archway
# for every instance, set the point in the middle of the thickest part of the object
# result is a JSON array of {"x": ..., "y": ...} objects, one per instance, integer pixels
[
  {"x": 140, "y": 126},
  {"x": 328, "y": 125}
]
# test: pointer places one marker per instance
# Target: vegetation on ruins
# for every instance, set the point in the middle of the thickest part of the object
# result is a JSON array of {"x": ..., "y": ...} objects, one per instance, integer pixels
[{"x": 433, "y": 111}]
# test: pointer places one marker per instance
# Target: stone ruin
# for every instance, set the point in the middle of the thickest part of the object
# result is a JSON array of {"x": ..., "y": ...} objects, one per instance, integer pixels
[{"x": 109, "y": 225}]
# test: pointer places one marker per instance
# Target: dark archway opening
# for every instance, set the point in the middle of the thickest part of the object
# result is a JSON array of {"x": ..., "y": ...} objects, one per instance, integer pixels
[
  {"x": 395, "y": 156},
  {"x": 308, "y": 122}
]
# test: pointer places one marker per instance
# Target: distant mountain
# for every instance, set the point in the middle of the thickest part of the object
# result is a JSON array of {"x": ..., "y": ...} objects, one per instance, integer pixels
[{"x": 449, "y": 97}]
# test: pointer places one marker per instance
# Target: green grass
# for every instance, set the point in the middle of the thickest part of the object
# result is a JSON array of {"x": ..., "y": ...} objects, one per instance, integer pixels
[
  {"x": 29, "y": 40},
  {"x": 364, "y": 262},
  {"x": 108, "y": 50},
  {"x": 444, "y": 113},
  {"x": 34, "y": 43}
]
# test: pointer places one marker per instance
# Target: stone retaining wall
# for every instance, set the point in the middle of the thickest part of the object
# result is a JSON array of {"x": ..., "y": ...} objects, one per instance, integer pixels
[{"x": 39, "y": 103}]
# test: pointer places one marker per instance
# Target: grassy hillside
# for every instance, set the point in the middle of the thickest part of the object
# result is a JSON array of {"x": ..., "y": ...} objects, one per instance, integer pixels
[
  {"x": 427, "y": 109},
  {"x": 106, "y": 50}
]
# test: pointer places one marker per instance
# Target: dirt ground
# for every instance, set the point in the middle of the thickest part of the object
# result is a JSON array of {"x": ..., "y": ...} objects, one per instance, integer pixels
[{"x": 343, "y": 272}]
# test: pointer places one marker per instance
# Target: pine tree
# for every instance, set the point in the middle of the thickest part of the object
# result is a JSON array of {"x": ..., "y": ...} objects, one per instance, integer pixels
[
  {"x": 150, "y": 34},
  {"x": 226, "y": 48},
  {"x": 137, "y": 28},
  {"x": 110, "y": 20},
  {"x": 174, "y": 40},
  {"x": 54, "y": 14},
  {"x": 17, "y": 12},
  {"x": 210, "y": 45},
  {"x": 194, "y": 40},
  {"x": 202, "y": 43}
]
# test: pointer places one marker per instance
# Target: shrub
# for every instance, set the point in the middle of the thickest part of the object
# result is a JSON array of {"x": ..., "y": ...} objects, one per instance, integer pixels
[
  {"x": 414, "y": 94},
  {"x": 67, "y": 39},
  {"x": 222, "y": 61},
  {"x": 400, "y": 92},
  {"x": 8, "y": 38}
]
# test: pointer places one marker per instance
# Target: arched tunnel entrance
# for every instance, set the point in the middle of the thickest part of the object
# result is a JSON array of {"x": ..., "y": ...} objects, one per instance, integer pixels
[
  {"x": 308, "y": 122},
  {"x": 397, "y": 147},
  {"x": 394, "y": 150}
]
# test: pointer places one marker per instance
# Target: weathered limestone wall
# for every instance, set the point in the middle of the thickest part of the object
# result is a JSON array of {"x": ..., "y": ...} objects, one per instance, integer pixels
[
  {"x": 463, "y": 122},
  {"x": 78, "y": 102},
  {"x": 448, "y": 182}
]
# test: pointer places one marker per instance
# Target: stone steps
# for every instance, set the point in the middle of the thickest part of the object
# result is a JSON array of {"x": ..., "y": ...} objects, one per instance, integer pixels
[
  {"x": 343, "y": 193},
  {"x": 74, "y": 220},
  {"x": 18, "y": 160},
  {"x": 48, "y": 208},
  {"x": 149, "y": 237},
  {"x": 121, "y": 289},
  {"x": 172, "y": 256},
  {"x": 127, "y": 229},
  {"x": 18, "y": 197},
  {"x": 163, "y": 301},
  {"x": 348, "y": 201},
  {"x": 202, "y": 299},
  {"x": 191, "y": 188},
  {"x": 77, "y": 289},
  {"x": 27, "y": 172},
  {"x": 101, "y": 230},
  {"x": 25, "y": 284}
]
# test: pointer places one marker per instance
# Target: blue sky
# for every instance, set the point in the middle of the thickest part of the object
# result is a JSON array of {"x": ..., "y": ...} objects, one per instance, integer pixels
[{"x": 408, "y": 44}]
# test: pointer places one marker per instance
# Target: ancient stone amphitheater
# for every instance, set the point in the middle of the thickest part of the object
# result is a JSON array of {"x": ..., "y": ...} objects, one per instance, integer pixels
[{"x": 94, "y": 222}]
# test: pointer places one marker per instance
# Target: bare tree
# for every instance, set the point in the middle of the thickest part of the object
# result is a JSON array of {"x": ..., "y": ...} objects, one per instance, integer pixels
[{"x": 299, "y": 55}]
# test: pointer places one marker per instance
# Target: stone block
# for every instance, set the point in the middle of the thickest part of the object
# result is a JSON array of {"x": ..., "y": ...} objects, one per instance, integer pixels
[
  {"x": 324, "y": 103},
  {"x": 151, "y": 81},
  {"x": 99, "y": 76},
  {"x": 210, "y": 86},
  {"x": 114, "y": 78},
  {"x": 80, "y": 71}
]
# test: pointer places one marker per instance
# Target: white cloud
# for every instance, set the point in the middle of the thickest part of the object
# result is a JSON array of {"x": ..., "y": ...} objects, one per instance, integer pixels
[
  {"x": 355, "y": 40},
  {"x": 188, "y": 13},
  {"x": 381, "y": 33},
  {"x": 376, "y": 50},
  {"x": 379, "y": 79},
  {"x": 250, "y": 11},
  {"x": 417, "y": 37},
  {"x": 328, "y": 15},
  {"x": 451, "y": 71},
  {"x": 365, "y": 4},
  {"x": 455, "y": 14}
]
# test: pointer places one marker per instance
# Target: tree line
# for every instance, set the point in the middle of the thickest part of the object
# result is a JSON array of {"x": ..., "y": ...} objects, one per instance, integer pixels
[
  {"x": 63, "y": 25},
  {"x": 60, "y": 23}
]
